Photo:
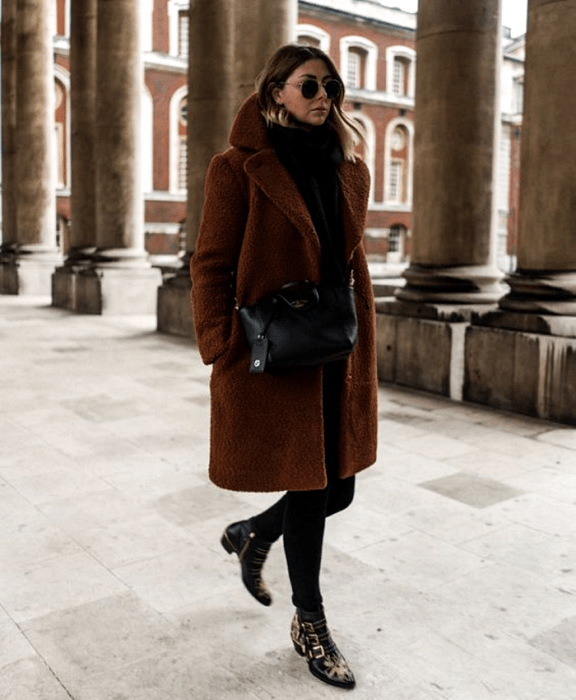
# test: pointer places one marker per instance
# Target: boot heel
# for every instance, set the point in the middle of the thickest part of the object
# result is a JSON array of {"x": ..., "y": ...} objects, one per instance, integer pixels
[
  {"x": 225, "y": 542},
  {"x": 239, "y": 538}
]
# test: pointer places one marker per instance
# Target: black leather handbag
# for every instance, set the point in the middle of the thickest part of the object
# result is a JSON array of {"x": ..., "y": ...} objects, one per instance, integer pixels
[{"x": 301, "y": 325}]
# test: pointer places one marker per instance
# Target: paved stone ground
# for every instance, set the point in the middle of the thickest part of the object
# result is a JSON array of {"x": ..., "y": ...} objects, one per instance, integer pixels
[{"x": 452, "y": 577}]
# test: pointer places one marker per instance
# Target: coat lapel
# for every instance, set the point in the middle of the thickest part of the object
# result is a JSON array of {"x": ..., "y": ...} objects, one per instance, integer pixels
[{"x": 270, "y": 176}]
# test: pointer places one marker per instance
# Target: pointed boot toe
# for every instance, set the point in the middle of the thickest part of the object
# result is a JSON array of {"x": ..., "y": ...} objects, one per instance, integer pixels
[
  {"x": 239, "y": 538},
  {"x": 312, "y": 640}
]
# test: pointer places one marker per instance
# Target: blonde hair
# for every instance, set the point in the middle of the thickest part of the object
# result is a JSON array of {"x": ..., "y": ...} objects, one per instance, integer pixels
[{"x": 276, "y": 72}]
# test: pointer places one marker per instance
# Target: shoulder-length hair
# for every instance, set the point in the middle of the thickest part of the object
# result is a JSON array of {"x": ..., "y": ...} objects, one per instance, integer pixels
[{"x": 276, "y": 72}]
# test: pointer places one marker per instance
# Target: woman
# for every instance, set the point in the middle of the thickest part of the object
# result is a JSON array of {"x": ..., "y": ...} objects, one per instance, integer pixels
[{"x": 287, "y": 202}]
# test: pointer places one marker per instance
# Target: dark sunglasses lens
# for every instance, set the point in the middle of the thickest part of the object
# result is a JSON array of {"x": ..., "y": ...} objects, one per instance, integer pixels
[
  {"x": 309, "y": 89},
  {"x": 332, "y": 88}
]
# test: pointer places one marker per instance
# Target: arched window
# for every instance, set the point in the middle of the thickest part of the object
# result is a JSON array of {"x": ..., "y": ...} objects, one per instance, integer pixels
[
  {"x": 60, "y": 133},
  {"x": 183, "y": 150},
  {"x": 396, "y": 243},
  {"x": 147, "y": 127},
  {"x": 62, "y": 233},
  {"x": 62, "y": 152},
  {"x": 398, "y": 163},
  {"x": 401, "y": 71},
  {"x": 358, "y": 59},
  {"x": 367, "y": 152},
  {"x": 178, "y": 141},
  {"x": 309, "y": 35}
]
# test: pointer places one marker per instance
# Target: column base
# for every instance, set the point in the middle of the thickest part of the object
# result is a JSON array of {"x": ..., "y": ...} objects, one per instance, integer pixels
[
  {"x": 65, "y": 277},
  {"x": 174, "y": 312},
  {"x": 525, "y": 363},
  {"x": 422, "y": 346},
  {"x": 28, "y": 273},
  {"x": 117, "y": 290},
  {"x": 472, "y": 284},
  {"x": 541, "y": 292}
]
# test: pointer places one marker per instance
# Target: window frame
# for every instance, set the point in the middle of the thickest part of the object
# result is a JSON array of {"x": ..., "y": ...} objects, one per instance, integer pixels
[
  {"x": 370, "y": 49},
  {"x": 408, "y": 56},
  {"x": 314, "y": 32}
]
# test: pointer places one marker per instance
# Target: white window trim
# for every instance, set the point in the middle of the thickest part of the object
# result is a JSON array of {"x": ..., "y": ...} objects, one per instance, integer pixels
[
  {"x": 174, "y": 9},
  {"x": 147, "y": 136},
  {"x": 409, "y": 55},
  {"x": 63, "y": 76},
  {"x": 370, "y": 151},
  {"x": 174, "y": 175},
  {"x": 409, "y": 126},
  {"x": 315, "y": 33},
  {"x": 371, "y": 49},
  {"x": 146, "y": 8},
  {"x": 517, "y": 88}
]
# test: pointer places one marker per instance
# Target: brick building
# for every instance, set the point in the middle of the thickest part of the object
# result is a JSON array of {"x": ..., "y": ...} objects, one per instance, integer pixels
[{"x": 373, "y": 47}]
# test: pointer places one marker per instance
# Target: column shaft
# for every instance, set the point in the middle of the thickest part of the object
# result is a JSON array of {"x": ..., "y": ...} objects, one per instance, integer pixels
[
  {"x": 35, "y": 176},
  {"x": 9, "y": 235},
  {"x": 120, "y": 207},
  {"x": 261, "y": 26},
  {"x": 546, "y": 277},
  {"x": 83, "y": 127},
  {"x": 120, "y": 279},
  {"x": 210, "y": 97},
  {"x": 456, "y": 145}
]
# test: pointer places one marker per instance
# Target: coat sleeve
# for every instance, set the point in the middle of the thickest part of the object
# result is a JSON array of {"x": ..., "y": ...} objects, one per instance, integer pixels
[{"x": 213, "y": 265}]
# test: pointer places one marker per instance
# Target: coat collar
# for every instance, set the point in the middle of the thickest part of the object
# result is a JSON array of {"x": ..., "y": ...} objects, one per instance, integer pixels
[{"x": 249, "y": 133}]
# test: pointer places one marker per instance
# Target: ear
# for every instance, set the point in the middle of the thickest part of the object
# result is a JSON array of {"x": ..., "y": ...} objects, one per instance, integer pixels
[{"x": 276, "y": 96}]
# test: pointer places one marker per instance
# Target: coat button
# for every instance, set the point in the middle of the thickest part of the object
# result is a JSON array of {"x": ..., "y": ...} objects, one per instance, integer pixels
[{"x": 256, "y": 363}]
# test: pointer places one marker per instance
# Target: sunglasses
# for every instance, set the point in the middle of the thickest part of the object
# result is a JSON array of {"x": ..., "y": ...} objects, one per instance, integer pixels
[{"x": 309, "y": 88}]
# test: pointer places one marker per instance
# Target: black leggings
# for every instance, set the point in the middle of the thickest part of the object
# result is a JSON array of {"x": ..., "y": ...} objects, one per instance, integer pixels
[{"x": 300, "y": 515}]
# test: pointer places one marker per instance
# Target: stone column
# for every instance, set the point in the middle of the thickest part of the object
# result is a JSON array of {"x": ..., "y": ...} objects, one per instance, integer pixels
[
  {"x": 30, "y": 270},
  {"x": 121, "y": 281},
  {"x": 545, "y": 281},
  {"x": 9, "y": 237},
  {"x": 210, "y": 99},
  {"x": 83, "y": 127},
  {"x": 261, "y": 27},
  {"x": 456, "y": 146}
]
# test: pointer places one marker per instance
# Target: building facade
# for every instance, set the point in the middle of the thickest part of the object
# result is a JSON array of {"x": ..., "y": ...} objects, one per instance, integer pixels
[{"x": 374, "y": 49}]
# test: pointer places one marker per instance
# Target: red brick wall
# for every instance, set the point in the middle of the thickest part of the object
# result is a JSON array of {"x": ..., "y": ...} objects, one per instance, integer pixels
[{"x": 162, "y": 86}]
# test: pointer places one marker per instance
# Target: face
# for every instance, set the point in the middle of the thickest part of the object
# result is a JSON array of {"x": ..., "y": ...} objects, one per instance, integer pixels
[{"x": 308, "y": 112}]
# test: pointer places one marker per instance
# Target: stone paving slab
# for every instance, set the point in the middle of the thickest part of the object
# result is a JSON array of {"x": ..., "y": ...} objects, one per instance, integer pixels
[{"x": 452, "y": 577}]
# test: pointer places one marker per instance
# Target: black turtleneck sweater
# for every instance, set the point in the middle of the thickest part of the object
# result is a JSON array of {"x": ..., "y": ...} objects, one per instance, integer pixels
[{"x": 312, "y": 158}]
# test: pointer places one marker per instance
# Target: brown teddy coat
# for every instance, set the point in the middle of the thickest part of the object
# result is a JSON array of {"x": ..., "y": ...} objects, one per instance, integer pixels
[{"x": 256, "y": 234}]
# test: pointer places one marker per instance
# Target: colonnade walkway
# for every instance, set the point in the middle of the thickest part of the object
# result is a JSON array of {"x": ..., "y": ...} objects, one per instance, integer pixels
[{"x": 452, "y": 577}]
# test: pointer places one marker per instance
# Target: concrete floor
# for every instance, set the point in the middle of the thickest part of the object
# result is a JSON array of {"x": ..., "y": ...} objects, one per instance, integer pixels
[{"x": 453, "y": 576}]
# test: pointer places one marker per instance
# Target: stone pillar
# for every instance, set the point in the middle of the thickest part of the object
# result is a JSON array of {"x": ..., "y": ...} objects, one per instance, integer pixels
[
  {"x": 121, "y": 280},
  {"x": 456, "y": 147},
  {"x": 83, "y": 127},
  {"x": 545, "y": 281},
  {"x": 261, "y": 27},
  {"x": 210, "y": 99},
  {"x": 9, "y": 237},
  {"x": 36, "y": 254}
]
